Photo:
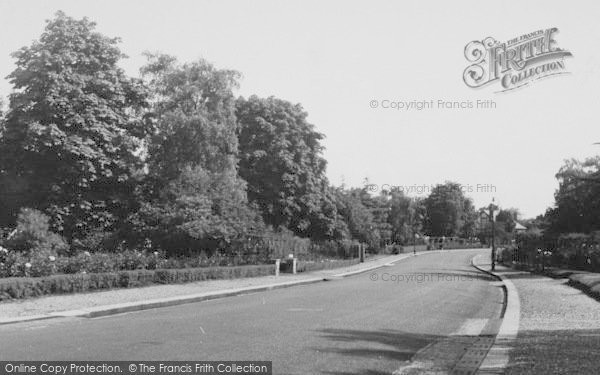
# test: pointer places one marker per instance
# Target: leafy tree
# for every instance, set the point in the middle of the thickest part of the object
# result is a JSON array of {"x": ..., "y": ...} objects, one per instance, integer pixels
[
  {"x": 505, "y": 222},
  {"x": 577, "y": 200},
  {"x": 448, "y": 210},
  {"x": 357, "y": 217},
  {"x": 194, "y": 109},
  {"x": 507, "y": 218},
  {"x": 73, "y": 128},
  {"x": 468, "y": 219},
  {"x": 406, "y": 217},
  {"x": 199, "y": 210},
  {"x": 379, "y": 206},
  {"x": 193, "y": 198},
  {"x": 280, "y": 158},
  {"x": 502, "y": 236}
]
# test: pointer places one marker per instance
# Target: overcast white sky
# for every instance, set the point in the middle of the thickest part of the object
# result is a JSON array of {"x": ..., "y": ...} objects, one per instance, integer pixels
[{"x": 334, "y": 57}]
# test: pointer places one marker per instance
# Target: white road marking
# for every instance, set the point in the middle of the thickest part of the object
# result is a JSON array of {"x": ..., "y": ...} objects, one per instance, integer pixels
[
  {"x": 419, "y": 368},
  {"x": 472, "y": 327}
]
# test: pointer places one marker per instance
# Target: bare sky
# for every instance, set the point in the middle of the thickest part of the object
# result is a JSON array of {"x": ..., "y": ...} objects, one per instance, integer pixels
[{"x": 335, "y": 57}]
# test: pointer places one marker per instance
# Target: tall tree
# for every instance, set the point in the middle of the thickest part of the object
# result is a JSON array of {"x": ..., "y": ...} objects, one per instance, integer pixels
[
  {"x": 577, "y": 200},
  {"x": 508, "y": 218},
  {"x": 73, "y": 128},
  {"x": 194, "y": 109},
  {"x": 357, "y": 217},
  {"x": 280, "y": 158},
  {"x": 468, "y": 219},
  {"x": 406, "y": 217},
  {"x": 194, "y": 194},
  {"x": 379, "y": 207},
  {"x": 447, "y": 210}
]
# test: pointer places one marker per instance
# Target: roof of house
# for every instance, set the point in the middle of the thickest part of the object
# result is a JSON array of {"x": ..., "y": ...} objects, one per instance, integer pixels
[{"x": 519, "y": 226}]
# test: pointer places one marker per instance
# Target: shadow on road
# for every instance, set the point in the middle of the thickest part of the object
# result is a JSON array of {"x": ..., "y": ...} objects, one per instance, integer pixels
[{"x": 373, "y": 347}]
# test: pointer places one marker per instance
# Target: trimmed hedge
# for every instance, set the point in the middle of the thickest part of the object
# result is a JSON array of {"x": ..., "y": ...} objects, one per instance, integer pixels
[
  {"x": 304, "y": 266},
  {"x": 27, "y": 287}
]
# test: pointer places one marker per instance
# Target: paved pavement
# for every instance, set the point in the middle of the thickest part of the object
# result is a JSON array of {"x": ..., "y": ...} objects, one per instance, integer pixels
[
  {"x": 559, "y": 331},
  {"x": 559, "y": 327},
  {"x": 429, "y": 313}
]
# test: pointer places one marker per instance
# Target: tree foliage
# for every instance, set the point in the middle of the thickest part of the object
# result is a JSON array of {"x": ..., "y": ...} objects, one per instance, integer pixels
[
  {"x": 357, "y": 217},
  {"x": 577, "y": 200},
  {"x": 194, "y": 109},
  {"x": 73, "y": 127},
  {"x": 194, "y": 196},
  {"x": 280, "y": 158},
  {"x": 406, "y": 217},
  {"x": 449, "y": 212},
  {"x": 507, "y": 218},
  {"x": 197, "y": 210}
]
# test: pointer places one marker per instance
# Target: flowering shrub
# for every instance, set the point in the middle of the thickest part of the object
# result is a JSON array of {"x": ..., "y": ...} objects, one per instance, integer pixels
[
  {"x": 133, "y": 260},
  {"x": 96, "y": 241},
  {"x": 33, "y": 235},
  {"x": 12, "y": 264},
  {"x": 42, "y": 263},
  {"x": 18, "y": 264}
]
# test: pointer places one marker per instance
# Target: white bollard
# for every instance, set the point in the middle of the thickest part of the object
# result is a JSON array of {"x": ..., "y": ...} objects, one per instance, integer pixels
[
  {"x": 277, "y": 265},
  {"x": 294, "y": 265}
]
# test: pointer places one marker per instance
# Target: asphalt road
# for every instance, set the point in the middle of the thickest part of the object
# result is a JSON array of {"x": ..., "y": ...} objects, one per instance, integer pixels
[{"x": 427, "y": 307}]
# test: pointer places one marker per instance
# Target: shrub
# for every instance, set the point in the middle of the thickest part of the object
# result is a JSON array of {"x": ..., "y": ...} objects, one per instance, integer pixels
[
  {"x": 132, "y": 260},
  {"x": 33, "y": 235},
  {"x": 13, "y": 264},
  {"x": 43, "y": 263},
  {"x": 94, "y": 263},
  {"x": 96, "y": 241}
]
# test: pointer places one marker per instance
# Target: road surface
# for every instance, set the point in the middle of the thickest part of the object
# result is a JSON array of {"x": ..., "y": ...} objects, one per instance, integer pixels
[{"x": 431, "y": 309}]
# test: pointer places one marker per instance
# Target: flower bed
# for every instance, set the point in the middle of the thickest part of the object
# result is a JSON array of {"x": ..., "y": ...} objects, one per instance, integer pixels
[
  {"x": 27, "y": 287},
  {"x": 16, "y": 264}
]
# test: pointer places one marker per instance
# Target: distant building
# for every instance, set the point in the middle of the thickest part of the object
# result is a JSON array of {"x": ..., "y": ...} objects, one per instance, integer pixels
[{"x": 519, "y": 227}]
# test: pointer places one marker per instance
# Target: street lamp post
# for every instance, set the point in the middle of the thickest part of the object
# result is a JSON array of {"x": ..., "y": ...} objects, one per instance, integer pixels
[
  {"x": 493, "y": 237},
  {"x": 491, "y": 208},
  {"x": 414, "y": 242}
]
